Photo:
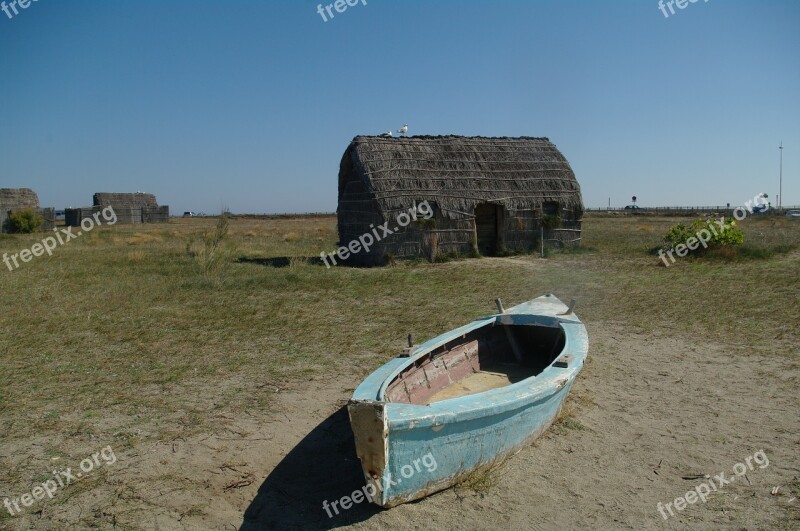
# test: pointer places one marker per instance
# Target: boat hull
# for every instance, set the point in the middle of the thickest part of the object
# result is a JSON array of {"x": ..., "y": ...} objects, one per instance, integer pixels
[{"x": 409, "y": 451}]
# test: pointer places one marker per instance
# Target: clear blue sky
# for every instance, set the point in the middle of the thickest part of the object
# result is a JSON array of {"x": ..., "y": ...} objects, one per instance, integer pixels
[{"x": 250, "y": 104}]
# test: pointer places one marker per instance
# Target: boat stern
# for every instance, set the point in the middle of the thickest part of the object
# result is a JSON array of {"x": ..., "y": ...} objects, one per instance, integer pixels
[{"x": 371, "y": 431}]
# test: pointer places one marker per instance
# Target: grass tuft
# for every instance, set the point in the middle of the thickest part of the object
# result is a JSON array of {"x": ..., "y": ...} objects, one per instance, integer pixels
[
  {"x": 483, "y": 479},
  {"x": 566, "y": 421},
  {"x": 214, "y": 252}
]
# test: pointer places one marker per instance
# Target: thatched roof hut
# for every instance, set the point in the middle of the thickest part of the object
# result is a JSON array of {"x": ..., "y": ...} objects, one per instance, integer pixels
[
  {"x": 18, "y": 198},
  {"x": 489, "y": 195},
  {"x": 129, "y": 207},
  {"x": 121, "y": 201}
]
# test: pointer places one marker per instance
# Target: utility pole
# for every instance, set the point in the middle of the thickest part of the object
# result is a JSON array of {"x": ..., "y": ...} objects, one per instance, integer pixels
[{"x": 780, "y": 181}]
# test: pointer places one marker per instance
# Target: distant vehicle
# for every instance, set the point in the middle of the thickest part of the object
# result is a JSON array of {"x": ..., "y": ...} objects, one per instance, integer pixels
[
  {"x": 760, "y": 209},
  {"x": 633, "y": 207},
  {"x": 189, "y": 214},
  {"x": 793, "y": 213},
  {"x": 60, "y": 215}
]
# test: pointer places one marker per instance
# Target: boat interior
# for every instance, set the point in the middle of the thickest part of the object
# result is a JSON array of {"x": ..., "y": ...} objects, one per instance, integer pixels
[{"x": 490, "y": 357}]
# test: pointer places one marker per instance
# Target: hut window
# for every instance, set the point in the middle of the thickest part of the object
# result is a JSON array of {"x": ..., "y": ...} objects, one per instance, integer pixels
[{"x": 551, "y": 208}]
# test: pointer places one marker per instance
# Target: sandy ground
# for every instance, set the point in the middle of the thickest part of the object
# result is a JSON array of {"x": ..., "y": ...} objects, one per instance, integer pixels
[{"x": 654, "y": 410}]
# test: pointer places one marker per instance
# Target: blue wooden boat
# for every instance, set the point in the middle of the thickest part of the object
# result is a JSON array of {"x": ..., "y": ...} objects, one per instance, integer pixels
[{"x": 465, "y": 399}]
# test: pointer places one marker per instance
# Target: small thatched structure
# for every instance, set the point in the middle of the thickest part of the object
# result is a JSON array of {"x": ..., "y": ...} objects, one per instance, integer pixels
[
  {"x": 129, "y": 207},
  {"x": 123, "y": 201},
  {"x": 14, "y": 199},
  {"x": 18, "y": 198},
  {"x": 488, "y": 195}
]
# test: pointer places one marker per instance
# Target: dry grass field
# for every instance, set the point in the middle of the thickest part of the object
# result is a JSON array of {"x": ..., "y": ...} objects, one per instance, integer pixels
[{"x": 221, "y": 396}]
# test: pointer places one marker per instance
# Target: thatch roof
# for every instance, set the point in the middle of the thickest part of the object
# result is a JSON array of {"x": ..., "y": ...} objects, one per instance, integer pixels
[
  {"x": 16, "y": 198},
  {"x": 458, "y": 173},
  {"x": 136, "y": 200}
]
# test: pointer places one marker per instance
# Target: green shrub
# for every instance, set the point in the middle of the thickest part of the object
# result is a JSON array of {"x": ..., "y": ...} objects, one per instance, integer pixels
[
  {"x": 551, "y": 222},
  {"x": 24, "y": 221},
  {"x": 426, "y": 223},
  {"x": 718, "y": 237}
]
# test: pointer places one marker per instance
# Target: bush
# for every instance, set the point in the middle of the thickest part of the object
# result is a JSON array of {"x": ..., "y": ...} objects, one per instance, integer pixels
[
  {"x": 550, "y": 222},
  {"x": 389, "y": 259},
  {"x": 718, "y": 238},
  {"x": 24, "y": 221},
  {"x": 426, "y": 223},
  {"x": 214, "y": 253}
]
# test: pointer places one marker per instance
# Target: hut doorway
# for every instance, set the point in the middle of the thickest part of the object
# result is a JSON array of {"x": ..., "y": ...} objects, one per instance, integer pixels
[{"x": 487, "y": 227}]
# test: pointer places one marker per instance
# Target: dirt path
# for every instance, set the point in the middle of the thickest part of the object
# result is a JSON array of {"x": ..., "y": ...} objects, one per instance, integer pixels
[
  {"x": 647, "y": 412},
  {"x": 653, "y": 410}
]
